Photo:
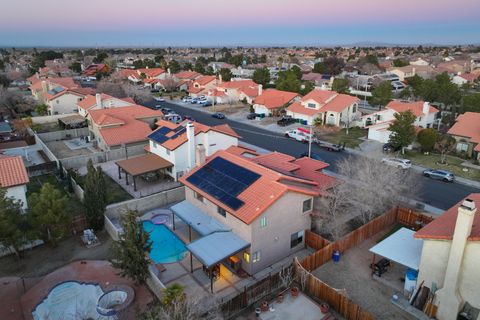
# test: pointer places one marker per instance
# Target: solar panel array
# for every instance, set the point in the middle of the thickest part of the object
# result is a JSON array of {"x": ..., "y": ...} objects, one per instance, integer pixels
[
  {"x": 159, "y": 135},
  {"x": 224, "y": 181}
]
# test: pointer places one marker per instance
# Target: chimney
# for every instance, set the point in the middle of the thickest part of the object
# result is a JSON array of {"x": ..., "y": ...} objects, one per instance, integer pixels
[
  {"x": 200, "y": 155},
  {"x": 169, "y": 71},
  {"x": 220, "y": 79},
  {"x": 98, "y": 98},
  {"x": 190, "y": 145},
  {"x": 260, "y": 89},
  {"x": 426, "y": 107},
  {"x": 449, "y": 299},
  {"x": 44, "y": 86}
]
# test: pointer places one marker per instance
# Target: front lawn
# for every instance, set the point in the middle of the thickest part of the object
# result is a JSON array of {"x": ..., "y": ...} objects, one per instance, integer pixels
[
  {"x": 336, "y": 136},
  {"x": 432, "y": 160},
  {"x": 115, "y": 193}
]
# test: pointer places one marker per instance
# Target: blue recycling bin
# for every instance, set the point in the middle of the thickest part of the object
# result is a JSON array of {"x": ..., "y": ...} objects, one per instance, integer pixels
[{"x": 336, "y": 256}]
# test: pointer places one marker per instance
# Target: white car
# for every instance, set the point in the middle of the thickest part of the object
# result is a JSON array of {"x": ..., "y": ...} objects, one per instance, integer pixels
[
  {"x": 399, "y": 163},
  {"x": 187, "y": 99},
  {"x": 298, "y": 135},
  {"x": 159, "y": 99}
]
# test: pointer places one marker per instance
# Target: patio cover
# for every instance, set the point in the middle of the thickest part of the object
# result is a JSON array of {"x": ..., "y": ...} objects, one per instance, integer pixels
[
  {"x": 216, "y": 247},
  {"x": 143, "y": 164},
  {"x": 401, "y": 247},
  {"x": 71, "y": 120},
  {"x": 197, "y": 219}
]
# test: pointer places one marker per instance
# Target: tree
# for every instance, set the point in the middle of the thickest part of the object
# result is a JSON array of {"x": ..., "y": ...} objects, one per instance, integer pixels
[
  {"x": 261, "y": 76},
  {"x": 402, "y": 130},
  {"x": 100, "y": 57},
  {"x": 14, "y": 102},
  {"x": 471, "y": 103},
  {"x": 334, "y": 65},
  {"x": 199, "y": 67},
  {"x": 427, "y": 139},
  {"x": 287, "y": 81},
  {"x": 95, "y": 196},
  {"x": 174, "y": 66},
  {"x": 445, "y": 144},
  {"x": 226, "y": 74},
  {"x": 2, "y": 64},
  {"x": 297, "y": 71},
  {"x": 306, "y": 87},
  {"x": 11, "y": 220},
  {"x": 372, "y": 59},
  {"x": 400, "y": 63},
  {"x": 131, "y": 251},
  {"x": 340, "y": 85},
  {"x": 48, "y": 214},
  {"x": 76, "y": 67},
  {"x": 382, "y": 94},
  {"x": 319, "y": 67},
  {"x": 41, "y": 109},
  {"x": 4, "y": 81}
]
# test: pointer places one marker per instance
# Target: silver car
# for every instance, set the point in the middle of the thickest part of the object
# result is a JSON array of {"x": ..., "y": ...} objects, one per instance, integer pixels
[
  {"x": 443, "y": 175},
  {"x": 399, "y": 163}
]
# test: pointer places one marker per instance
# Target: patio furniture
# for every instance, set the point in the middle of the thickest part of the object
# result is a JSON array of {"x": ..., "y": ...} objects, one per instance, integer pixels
[
  {"x": 380, "y": 267},
  {"x": 160, "y": 267},
  {"x": 89, "y": 238}
]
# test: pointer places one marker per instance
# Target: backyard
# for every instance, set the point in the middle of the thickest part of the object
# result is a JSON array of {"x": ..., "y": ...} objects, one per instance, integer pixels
[
  {"x": 333, "y": 135},
  {"x": 115, "y": 193},
  {"x": 454, "y": 165}
]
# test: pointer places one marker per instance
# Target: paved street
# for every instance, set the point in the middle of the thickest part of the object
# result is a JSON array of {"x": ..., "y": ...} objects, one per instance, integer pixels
[{"x": 435, "y": 193}]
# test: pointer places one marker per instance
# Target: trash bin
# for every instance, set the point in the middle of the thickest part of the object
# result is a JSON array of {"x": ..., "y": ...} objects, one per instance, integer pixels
[{"x": 336, "y": 256}]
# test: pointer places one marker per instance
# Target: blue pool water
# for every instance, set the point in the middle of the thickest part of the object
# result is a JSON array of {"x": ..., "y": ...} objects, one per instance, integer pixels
[{"x": 166, "y": 246}]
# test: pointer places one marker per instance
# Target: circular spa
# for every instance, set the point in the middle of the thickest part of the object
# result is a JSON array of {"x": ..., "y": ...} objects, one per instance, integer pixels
[{"x": 114, "y": 300}]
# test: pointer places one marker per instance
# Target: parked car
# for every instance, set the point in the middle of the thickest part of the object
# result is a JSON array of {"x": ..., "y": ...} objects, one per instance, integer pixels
[
  {"x": 331, "y": 147},
  {"x": 313, "y": 155},
  {"x": 285, "y": 121},
  {"x": 166, "y": 110},
  {"x": 189, "y": 118},
  {"x": 388, "y": 147},
  {"x": 159, "y": 99},
  {"x": 205, "y": 103},
  {"x": 399, "y": 163},
  {"x": 252, "y": 116},
  {"x": 194, "y": 100},
  {"x": 443, "y": 175},
  {"x": 218, "y": 115},
  {"x": 187, "y": 99},
  {"x": 173, "y": 117},
  {"x": 298, "y": 135}
]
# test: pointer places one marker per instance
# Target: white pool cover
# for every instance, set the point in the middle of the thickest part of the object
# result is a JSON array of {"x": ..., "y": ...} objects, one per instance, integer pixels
[{"x": 70, "y": 301}]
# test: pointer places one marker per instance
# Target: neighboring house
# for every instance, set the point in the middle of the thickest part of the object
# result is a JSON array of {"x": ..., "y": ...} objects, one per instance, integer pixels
[
  {"x": 117, "y": 127},
  {"x": 320, "y": 80},
  {"x": 464, "y": 78},
  {"x": 419, "y": 62},
  {"x": 101, "y": 101},
  {"x": 177, "y": 143},
  {"x": 200, "y": 86},
  {"x": 93, "y": 69},
  {"x": 426, "y": 72},
  {"x": 260, "y": 207},
  {"x": 142, "y": 75},
  {"x": 233, "y": 91},
  {"x": 187, "y": 75},
  {"x": 331, "y": 107},
  {"x": 272, "y": 101},
  {"x": 450, "y": 258},
  {"x": 454, "y": 67},
  {"x": 60, "y": 101},
  {"x": 379, "y": 122},
  {"x": 14, "y": 178},
  {"x": 39, "y": 87},
  {"x": 466, "y": 132}
]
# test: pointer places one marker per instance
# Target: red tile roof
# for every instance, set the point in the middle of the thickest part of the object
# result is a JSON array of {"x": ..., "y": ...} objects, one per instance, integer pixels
[
  {"x": 187, "y": 75},
  {"x": 443, "y": 227},
  {"x": 90, "y": 101},
  {"x": 237, "y": 84},
  {"x": 415, "y": 107},
  {"x": 123, "y": 125},
  {"x": 151, "y": 72},
  {"x": 467, "y": 125},
  {"x": 273, "y": 99},
  {"x": 204, "y": 80},
  {"x": 12, "y": 171}
]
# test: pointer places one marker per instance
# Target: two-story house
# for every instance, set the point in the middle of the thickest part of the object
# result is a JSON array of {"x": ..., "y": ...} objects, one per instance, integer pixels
[
  {"x": 330, "y": 107},
  {"x": 379, "y": 122},
  {"x": 450, "y": 259},
  {"x": 118, "y": 127},
  {"x": 249, "y": 211},
  {"x": 272, "y": 101},
  {"x": 101, "y": 101},
  {"x": 466, "y": 132},
  {"x": 177, "y": 143},
  {"x": 236, "y": 90},
  {"x": 14, "y": 178},
  {"x": 201, "y": 85}
]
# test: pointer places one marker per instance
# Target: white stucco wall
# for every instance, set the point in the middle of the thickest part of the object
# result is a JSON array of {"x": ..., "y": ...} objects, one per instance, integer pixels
[
  {"x": 261, "y": 109},
  {"x": 66, "y": 103}
]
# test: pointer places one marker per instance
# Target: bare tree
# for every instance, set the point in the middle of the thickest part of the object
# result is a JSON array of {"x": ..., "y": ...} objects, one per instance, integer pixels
[
  {"x": 334, "y": 206},
  {"x": 287, "y": 276},
  {"x": 185, "y": 309},
  {"x": 14, "y": 102},
  {"x": 170, "y": 84},
  {"x": 114, "y": 86},
  {"x": 445, "y": 144}
]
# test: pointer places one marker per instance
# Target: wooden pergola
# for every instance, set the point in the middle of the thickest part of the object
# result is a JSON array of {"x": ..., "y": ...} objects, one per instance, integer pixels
[{"x": 141, "y": 165}]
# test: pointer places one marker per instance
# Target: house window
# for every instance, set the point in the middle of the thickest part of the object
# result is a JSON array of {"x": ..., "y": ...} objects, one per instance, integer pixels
[
  {"x": 221, "y": 211},
  {"x": 199, "y": 197},
  {"x": 311, "y": 105},
  {"x": 57, "y": 101},
  {"x": 296, "y": 238},
  {"x": 462, "y": 147},
  {"x": 307, "y": 205},
  {"x": 263, "y": 222},
  {"x": 169, "y": 169},
  {"x": 256, "y": 257},
  {"x": 246, "y": 257},
  {"x": 354, "y": 109}
]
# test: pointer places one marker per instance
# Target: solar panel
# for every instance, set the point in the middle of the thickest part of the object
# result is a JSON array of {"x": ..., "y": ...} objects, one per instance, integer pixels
[
  {"x": 159, "y": 135},
  {"x": 224, "y": 181}
]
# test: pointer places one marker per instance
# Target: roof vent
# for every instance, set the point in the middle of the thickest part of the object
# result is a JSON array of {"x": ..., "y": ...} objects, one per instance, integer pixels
[{"x": 469, "y": 204}]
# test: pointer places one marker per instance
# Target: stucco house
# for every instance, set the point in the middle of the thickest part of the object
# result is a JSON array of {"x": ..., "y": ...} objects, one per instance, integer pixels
[
  {"x": 235, "y": 90},
  {"x": 201, "y": 85},
  {"x": 14, "y": 178},
  {"x": 272, "y": 101},
  {"x": 450, "y": 258},
  {"x": 378, "y": 123},
  {"x": 260, "y": 205},
  {"x": 177, "y": 143},
  {"x": 466, "y": 132},
  {"x": 464, "y": 78},
  {"x": 331, "y": 107},
  {"x": 403, "y": 73},
  {"x": 60, "y": 101},
  {"x": 101, "y": 101},
  {"x": 117, "y": 127}
]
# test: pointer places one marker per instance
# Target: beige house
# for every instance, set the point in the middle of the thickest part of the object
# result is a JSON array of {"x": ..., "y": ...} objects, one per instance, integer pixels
[
  {"x": 450, "y": 258},
  {"x": 409, "y": 71},
  {"x": 466, "y": 132},
  {"x": 259, "y": 213}
]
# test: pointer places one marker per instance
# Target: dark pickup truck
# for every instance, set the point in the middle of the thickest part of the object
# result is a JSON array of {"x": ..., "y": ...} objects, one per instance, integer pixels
[{"x": 285, "y": 121}]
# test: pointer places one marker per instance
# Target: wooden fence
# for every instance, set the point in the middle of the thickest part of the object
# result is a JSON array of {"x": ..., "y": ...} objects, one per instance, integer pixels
[
  {"x": 319, "y": 290},
  {"x": 315, "y": 241},
  {"x": 412, "y": 219}
]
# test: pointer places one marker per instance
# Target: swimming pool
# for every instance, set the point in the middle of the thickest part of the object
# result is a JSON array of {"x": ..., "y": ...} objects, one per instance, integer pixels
[{"x": 166, "y": 246}]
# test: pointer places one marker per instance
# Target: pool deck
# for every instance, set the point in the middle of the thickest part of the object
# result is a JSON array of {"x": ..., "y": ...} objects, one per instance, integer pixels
[{"x": 95, "y": 272}]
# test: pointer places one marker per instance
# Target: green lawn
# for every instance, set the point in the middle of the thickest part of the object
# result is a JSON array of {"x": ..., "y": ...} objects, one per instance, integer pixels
[
  {"x": 339, "y": 137},
  {"x": 74, "y": 206},
  {"x": 115, "y": 193},
  {"x": 454, "y": 164}
]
